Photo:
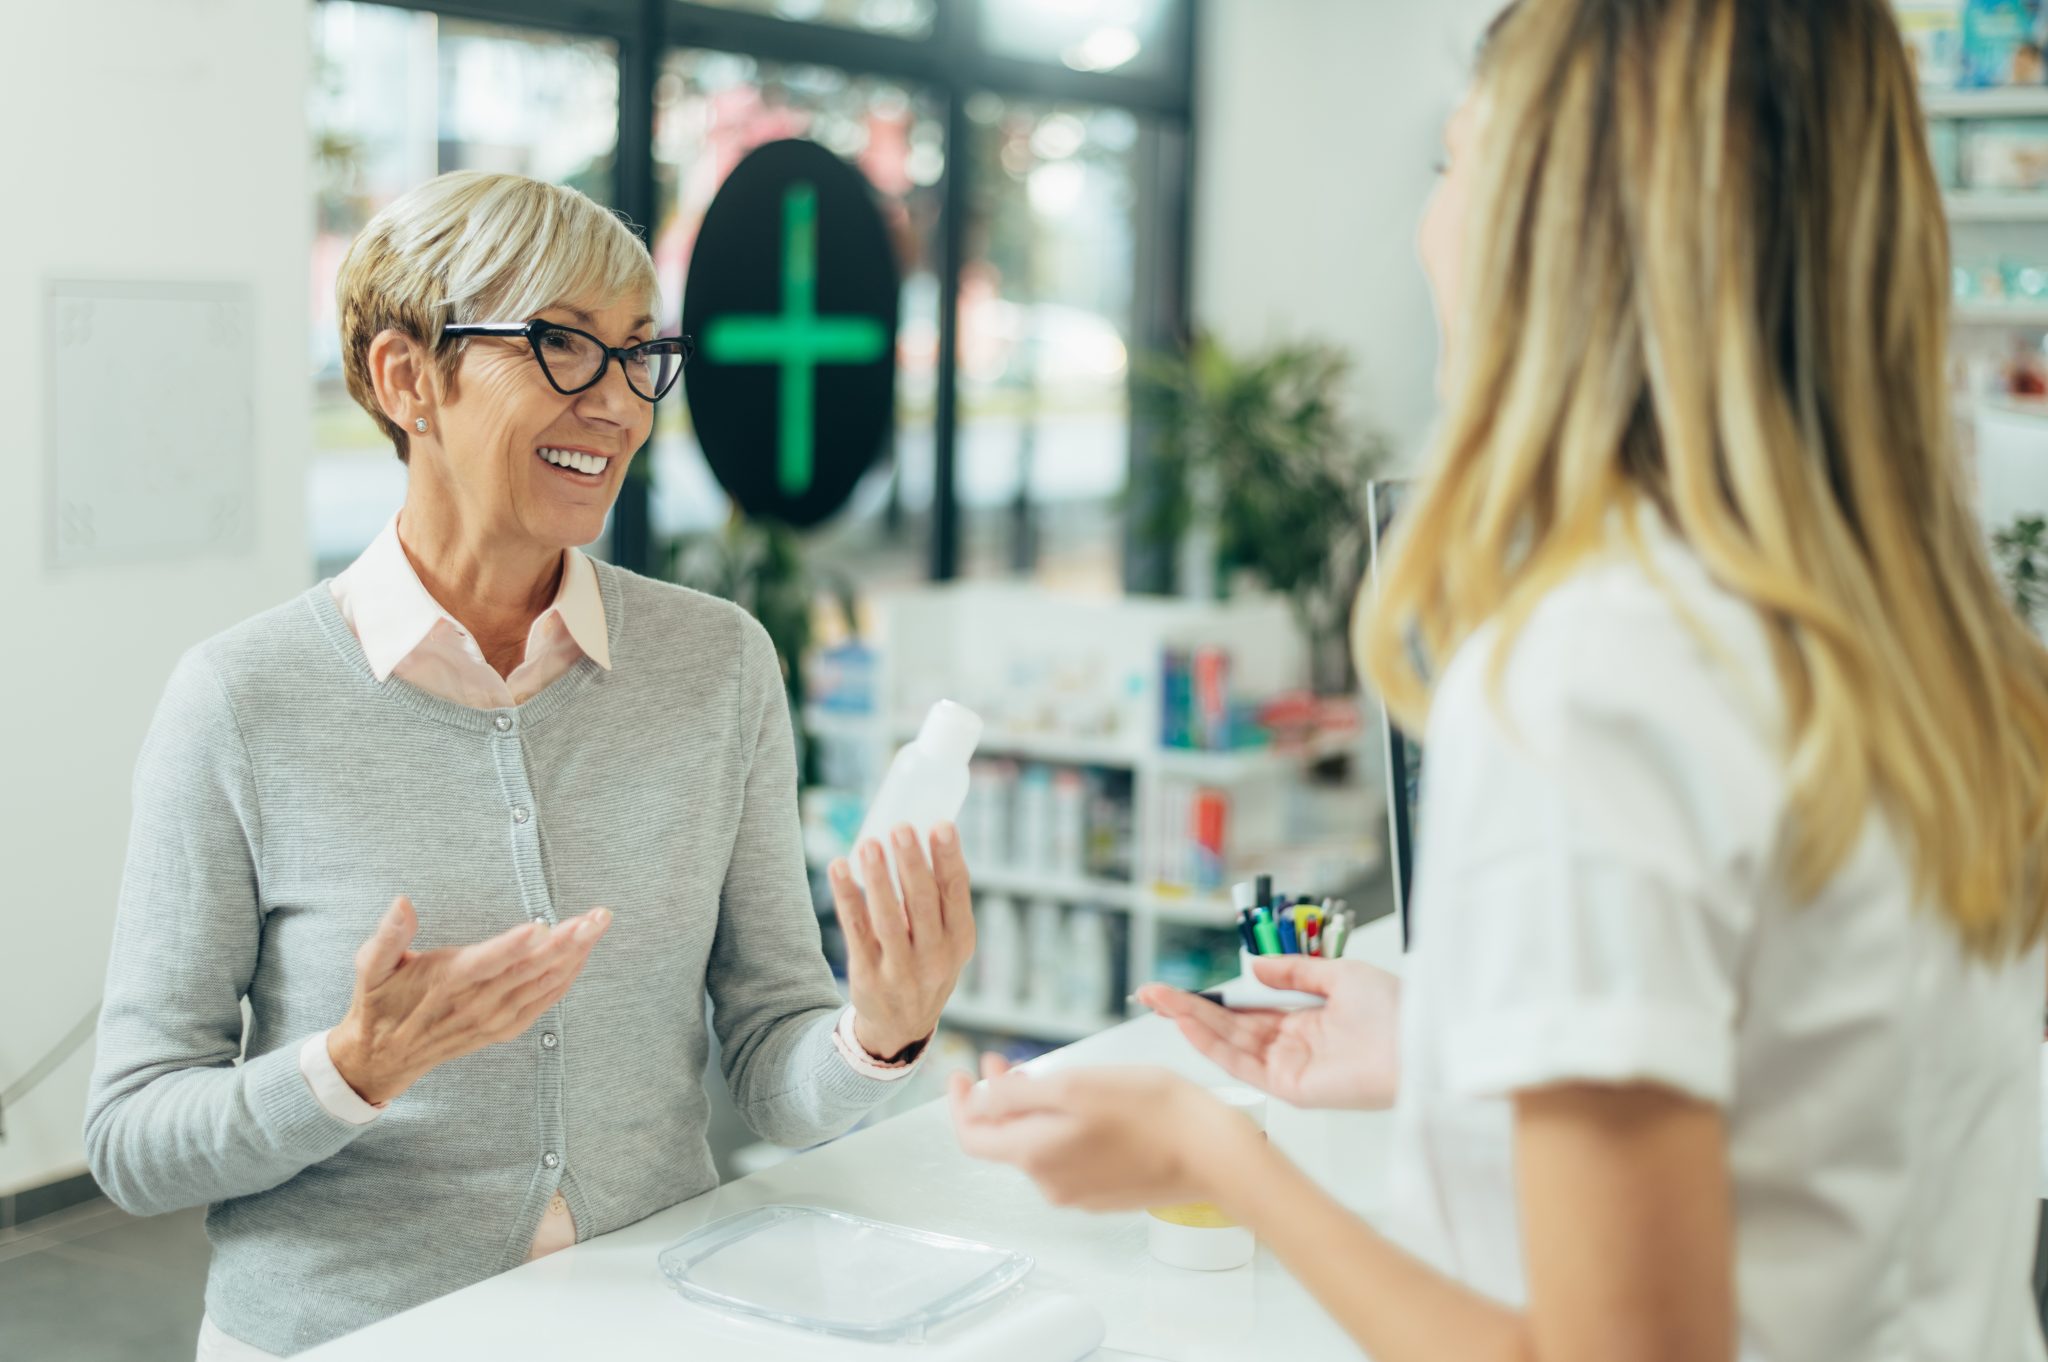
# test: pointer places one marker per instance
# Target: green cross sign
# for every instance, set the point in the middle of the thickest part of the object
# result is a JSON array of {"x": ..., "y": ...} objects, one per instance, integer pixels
[{"x": 797, "y": 339}]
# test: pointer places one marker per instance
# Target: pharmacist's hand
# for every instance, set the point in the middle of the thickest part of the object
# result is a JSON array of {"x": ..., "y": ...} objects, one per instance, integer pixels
[
  {"x": 1343, "y": 1054},
  {"x": 1103, "y": 1139},
  {"x": 903, "y": 955},
  {"x": 416, "y": 1010}
]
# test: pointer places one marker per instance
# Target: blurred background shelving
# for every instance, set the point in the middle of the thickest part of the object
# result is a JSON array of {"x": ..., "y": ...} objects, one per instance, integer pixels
[
  {"x": 1982, "y": 73},
  {"x": 1141, "y": 754}
]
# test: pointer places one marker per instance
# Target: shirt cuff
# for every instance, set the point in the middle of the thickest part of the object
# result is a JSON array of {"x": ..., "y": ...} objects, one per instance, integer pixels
[
  {"x": 330, "y": 1089},
  {"x": 856, "y": 1056}
]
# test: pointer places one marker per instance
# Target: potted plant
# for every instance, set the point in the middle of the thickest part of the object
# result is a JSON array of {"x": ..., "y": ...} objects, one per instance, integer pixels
[
  {"x": 1255, "y": 457},
  {"x": 2021, "y": 551},
  {"x": 759, "y": 566}
]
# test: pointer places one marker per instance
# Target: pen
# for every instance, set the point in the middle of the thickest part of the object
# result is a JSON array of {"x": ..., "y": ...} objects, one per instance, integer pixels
[
  {"x": 1289, "y": 945},
  {"x": 1264, "y": 933},
  {"x": 1249, "y": 995}
]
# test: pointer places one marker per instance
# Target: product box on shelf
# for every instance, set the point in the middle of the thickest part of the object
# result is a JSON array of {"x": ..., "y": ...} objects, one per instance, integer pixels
[
  {"x": 2002, "y": 41},
  {"x": 1934, "y": 37}
]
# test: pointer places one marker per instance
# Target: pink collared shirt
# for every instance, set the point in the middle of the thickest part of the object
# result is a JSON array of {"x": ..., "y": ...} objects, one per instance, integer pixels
[{"x": 406, "y": 633}]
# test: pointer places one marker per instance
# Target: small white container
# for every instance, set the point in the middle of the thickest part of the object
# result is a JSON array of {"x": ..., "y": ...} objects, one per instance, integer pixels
[
  {"x": 1251, "y": 991},
  {"x": 927, "y": 783},
  {"x": 1069, "y": 824},
  {"x": 1031, "y": 845},
  {"x": 1196, "y": 1235},
  {"x": 999, "y": 945},
  {"x": 1087, "y": 977},
  {"x": 1046, "y": 948}
]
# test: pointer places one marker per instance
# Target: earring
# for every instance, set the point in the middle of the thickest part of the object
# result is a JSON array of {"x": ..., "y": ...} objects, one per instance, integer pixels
[{"x": 420, "y": 425}]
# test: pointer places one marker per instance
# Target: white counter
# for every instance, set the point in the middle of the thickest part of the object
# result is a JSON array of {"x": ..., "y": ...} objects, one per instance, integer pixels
[{"x": 604, "y": 1299}]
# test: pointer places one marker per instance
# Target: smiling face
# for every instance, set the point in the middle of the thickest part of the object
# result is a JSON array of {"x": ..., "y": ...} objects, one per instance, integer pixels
[{"x": 519, "y": 460}]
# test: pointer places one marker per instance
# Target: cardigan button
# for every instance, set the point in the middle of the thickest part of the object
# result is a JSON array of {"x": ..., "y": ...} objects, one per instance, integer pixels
[
  {"x": 520, "y": 815},
  {"x": 503, "y": 722},
  {"x": 551, "y": 1159},
  {"x": 548, "y": 1041}
]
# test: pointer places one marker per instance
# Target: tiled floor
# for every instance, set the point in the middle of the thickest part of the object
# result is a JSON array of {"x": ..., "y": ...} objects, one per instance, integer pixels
[{"x": 95, "y": 1284}]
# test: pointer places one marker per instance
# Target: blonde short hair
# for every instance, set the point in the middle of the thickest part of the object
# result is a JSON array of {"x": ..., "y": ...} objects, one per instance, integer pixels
[{"x": 471, "y": 246}]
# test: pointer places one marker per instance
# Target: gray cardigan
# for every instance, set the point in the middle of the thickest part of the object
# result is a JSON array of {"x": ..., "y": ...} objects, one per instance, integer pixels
[{"x": 282, "y": 799}]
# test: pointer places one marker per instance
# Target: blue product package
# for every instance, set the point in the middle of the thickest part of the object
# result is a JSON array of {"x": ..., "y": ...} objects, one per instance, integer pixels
[
  {"x": 1176, "y": 699},
  {"x": 2001, "y": 43}
]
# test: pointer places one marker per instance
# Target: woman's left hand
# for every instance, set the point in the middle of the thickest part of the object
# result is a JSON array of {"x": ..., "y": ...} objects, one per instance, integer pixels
[
  {"x": 903, "y": 955},
  {"x": 1103, "y": 1139}
]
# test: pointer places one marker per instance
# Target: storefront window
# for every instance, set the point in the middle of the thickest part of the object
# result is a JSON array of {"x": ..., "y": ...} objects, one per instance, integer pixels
[
  {"x": 1124, "y": 36},
  {"x": 897, "y": 18},
  {"x": 1046, "y": 308},
  {"x": 711, "y": 110}
]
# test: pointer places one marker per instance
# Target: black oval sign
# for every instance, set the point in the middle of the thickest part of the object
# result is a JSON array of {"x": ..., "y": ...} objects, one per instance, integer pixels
[{"x": 792, "y": 296}]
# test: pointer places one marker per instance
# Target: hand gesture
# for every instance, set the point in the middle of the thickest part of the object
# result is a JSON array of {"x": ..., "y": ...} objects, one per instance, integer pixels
[
  {"x": 1343, "y": 1054},
  {"x": 416, "y": 1010},
  {"x": 1102, "y": 1139},
  {"x": 903, "y": 953}
]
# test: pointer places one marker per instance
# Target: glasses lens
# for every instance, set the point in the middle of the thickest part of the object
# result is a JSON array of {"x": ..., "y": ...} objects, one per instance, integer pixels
[
  {"x": 572, "y": 359},
  {"x": 652, "y": 368}
]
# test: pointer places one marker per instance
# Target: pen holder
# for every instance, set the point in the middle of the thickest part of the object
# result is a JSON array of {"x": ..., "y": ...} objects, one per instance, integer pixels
[
  {"x": 1196, "y": 1234},
  {"x": 1250, "y": 992}
]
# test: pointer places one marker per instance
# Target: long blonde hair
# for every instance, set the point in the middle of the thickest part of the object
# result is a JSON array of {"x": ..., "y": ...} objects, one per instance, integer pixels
[{"x": 1706, "y": 269}]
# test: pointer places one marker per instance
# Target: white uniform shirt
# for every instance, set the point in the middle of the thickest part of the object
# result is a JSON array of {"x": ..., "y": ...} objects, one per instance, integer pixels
[{"x": 1593, "y": 903}]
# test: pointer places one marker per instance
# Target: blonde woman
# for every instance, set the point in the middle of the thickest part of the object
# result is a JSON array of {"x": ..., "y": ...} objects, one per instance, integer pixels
[
  {"x": 1719, "y": 1033},
  {"x": 386, "y": 814}
]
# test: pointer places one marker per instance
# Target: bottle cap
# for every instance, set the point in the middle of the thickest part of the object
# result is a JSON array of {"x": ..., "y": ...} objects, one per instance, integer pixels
[{"x": 950, "y": 731}]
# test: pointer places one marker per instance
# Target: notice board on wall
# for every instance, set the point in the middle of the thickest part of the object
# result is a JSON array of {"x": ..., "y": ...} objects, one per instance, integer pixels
[{"x": 149, "y": 423}]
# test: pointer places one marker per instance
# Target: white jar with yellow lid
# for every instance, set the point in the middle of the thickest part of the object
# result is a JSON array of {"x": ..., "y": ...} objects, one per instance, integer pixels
[{"x": 1196, "y": 1234}]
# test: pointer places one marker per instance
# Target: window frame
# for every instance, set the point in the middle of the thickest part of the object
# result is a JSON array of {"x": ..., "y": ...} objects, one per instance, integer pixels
[{"x": 953, "y": 64}]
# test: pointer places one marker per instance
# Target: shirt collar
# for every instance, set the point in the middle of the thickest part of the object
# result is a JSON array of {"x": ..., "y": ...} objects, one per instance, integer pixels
[
  {"x": 393, "y": 612},
  {"x": 581, "y": 606}
]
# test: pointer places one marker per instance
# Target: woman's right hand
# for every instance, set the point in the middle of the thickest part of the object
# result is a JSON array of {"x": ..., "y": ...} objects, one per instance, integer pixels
[
  {"x": 416, "y": 1010},
  {"x": 1345, "y": 1053}
]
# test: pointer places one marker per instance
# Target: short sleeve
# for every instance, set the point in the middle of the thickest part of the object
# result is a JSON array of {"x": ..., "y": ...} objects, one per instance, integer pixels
[{"x": 1586, "y": 897}]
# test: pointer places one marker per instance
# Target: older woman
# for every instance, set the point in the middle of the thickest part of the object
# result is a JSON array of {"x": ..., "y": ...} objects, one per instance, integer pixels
[{"x": 386, "y": 812}]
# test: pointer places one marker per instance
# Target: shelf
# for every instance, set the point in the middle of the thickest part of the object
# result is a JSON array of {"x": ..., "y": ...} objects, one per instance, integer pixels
[
  {"x": 1991, "y": 206},
  {"x": 2018, "y": 101},
  {"x": 1201, "y": 910},
  {"x": 2025, "y": 316},
  {"x": 1057, "y": 748},
  {"x": 837, "y": 723},
  {"x": 2009, "y": 410},
  {"x": 1122, "y": 754},
  {"x": 1022, "y": 1021},
  {"x": 1218, "y": 768},
  {"x": 1064, "y": 889}
]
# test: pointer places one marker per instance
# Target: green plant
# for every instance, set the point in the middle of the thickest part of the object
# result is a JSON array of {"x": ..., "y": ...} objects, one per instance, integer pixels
[
  {"x": 1255, "y": 449},
  {"x": 2021, "y": 549},
  {"x": 760, "y": 566}
]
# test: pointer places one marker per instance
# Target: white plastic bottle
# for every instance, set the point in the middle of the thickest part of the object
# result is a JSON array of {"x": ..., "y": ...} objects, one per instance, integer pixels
[
  {"x": 999, "y": 945},
  {"x": 927, "y": 783}
]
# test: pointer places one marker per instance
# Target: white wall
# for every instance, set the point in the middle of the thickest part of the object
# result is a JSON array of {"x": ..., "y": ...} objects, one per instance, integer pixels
[
  {"x": 150, "y": 140},
  {"x": 1318, "y": 127}
]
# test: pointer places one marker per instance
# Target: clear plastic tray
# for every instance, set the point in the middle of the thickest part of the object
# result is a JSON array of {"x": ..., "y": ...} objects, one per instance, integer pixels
[{"x": 839, "y": 1274}]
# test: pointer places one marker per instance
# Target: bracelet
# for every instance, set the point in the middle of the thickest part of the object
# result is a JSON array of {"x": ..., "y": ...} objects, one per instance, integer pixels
[{"x": 907, "y": 1055}]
